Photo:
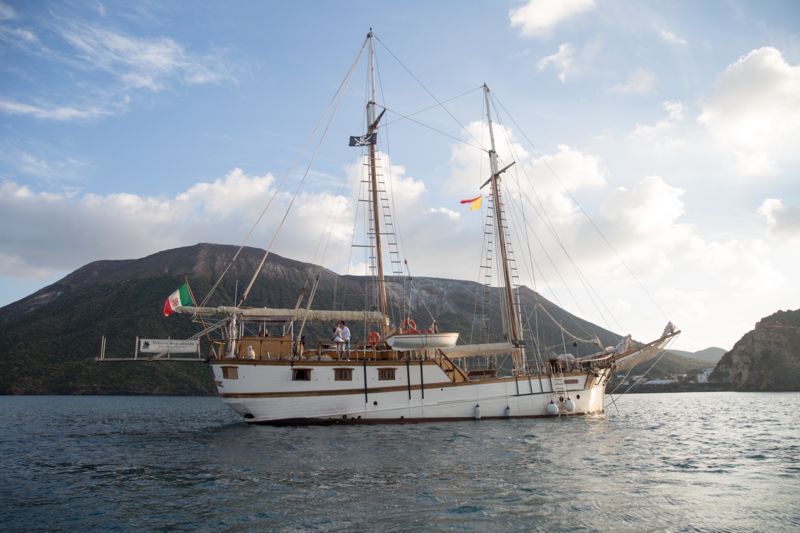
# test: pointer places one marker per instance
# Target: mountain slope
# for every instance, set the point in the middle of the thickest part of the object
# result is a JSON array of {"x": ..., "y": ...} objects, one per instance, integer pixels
[
  {"x": 671, "y": 363},
  {"x": 710, "y": 356},
  {"x": 50, "y": 338},
  {"x": 766, "y": 358}
]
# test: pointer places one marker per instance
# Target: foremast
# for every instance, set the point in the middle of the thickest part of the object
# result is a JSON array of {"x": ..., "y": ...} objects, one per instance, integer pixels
[
  {"x": 372, "y": 132},
  {"x": 513, "y": 323}
]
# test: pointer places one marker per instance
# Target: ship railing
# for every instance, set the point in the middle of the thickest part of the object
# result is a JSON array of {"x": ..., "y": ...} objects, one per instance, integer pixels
[{"x": 156, "y": 350}]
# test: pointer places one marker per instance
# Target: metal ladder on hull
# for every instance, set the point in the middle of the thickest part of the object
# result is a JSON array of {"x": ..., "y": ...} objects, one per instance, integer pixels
[{"x": 559, "y": 392}]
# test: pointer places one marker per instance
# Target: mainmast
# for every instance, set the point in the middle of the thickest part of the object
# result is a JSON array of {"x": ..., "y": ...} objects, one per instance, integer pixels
[
  {"x": 372, "y": 129},
  {"x": 512, "y": 312}
]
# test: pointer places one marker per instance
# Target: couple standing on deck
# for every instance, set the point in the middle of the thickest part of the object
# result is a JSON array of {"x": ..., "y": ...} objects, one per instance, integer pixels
[{"x": 341, "y": 336}]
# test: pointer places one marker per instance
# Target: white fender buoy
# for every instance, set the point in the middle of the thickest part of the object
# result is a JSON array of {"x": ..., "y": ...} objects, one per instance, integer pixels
[
  {"x": 570, "y": 405},
  {"x": 552, "y": 408},
  {"x": 477, "y": 411},
  {"x": 508, "y": 411}
]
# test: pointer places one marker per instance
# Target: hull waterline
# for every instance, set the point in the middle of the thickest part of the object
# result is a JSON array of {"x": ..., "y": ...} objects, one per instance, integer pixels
[{"x": 396, "y": 392}]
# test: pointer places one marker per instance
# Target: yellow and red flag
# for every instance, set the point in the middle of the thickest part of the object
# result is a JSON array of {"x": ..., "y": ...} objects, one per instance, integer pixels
[{"x": 474, "y": 203}]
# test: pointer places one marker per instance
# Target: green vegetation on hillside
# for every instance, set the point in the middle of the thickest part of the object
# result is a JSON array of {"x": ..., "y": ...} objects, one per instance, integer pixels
[{"x": 50, "y": 339}]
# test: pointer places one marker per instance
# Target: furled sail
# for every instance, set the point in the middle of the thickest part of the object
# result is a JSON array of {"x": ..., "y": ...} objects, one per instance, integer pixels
[
  {"x": 475, "y": 350},
  {"x": 321, "y": 315}
]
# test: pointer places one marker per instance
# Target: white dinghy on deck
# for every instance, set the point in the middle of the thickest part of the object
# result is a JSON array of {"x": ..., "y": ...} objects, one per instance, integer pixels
[{"x": 404, "y": 342}]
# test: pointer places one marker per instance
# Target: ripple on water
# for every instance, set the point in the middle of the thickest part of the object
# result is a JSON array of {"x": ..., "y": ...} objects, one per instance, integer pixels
[{"x": 692, "y": 461}]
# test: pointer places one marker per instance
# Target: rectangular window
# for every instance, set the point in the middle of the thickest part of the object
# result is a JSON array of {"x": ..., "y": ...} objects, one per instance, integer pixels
[
  {"x": 301, "y": 374},
  {"x": 570, "y": 381},
  {"x": 230, "y": 372},
  {"x": 386, "y": 374},
  {"x": 343, "y": 374}
]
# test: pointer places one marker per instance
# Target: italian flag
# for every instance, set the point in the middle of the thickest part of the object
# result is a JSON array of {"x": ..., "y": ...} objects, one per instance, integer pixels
[{"x": 179, "y": 298}]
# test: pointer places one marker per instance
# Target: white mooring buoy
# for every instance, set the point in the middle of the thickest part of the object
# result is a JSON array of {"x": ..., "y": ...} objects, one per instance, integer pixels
[
  {"x": 477, "y": 411},
  {"x": 570, "y": 405},
  {"x": 552, "y": 408},
  {"x": 508, "y": 411}
]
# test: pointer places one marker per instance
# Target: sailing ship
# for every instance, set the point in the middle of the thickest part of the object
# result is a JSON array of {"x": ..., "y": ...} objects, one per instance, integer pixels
[{"x": 265, "y": 370}]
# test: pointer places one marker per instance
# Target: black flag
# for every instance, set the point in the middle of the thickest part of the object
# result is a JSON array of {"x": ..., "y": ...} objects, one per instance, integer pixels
[{"x": 364, "y": 140}]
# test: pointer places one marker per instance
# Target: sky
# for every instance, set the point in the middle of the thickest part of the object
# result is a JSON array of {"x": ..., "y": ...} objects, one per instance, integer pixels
[{"x": 657, "y": 143}]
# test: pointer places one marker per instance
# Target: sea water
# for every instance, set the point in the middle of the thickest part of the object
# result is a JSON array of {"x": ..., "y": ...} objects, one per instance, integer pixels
[{"x": 676, "y": 462}]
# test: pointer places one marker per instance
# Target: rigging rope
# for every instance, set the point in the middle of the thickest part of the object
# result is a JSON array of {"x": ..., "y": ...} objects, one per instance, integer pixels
[
  {"x": 337, "y": 99},
  {"x": 590, "y": 291},
  {"x": 441, "y": 104},
  {"x": 594, "y": 340},
  {"x": 404, "y": 117},
  {"x": 331, "y": 103},
  {"x": 661, "y": 355},
  {"x": 586, "y": 215},
  {"x": 440, "y": 132}
]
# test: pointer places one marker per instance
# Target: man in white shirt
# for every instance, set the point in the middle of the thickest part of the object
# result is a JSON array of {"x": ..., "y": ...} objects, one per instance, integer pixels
[{"x": 345, "y": 334}]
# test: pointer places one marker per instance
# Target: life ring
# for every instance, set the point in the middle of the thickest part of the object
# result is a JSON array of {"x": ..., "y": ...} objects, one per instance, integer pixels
[
  {"x": 408, "y": 326},
  {"x": 373, "y": 338}
]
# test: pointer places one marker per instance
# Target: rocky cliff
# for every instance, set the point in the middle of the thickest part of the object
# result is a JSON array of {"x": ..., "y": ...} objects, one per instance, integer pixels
[{"x": 765, "y": 359}]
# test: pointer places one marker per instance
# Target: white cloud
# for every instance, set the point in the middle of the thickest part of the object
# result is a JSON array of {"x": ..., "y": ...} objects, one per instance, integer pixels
[
  {"x": 449, "y": 213},
  {"x": 662, "y": 134},
  {"x": 32, "y": 165},
  {"x": 43, "y": 232},
  {"x": 573, "y": 63},
  {"x": 46, "y": 232},
  {"x": 640, "y": 81},
  {"x": 126, "y": 63},
  {"x": 16, "y": 267},
  {"x": 538, "y": 18},
  {"x": 688, "y": 273},
  {"x": 561, "y": 61},
  {"x": 572, "y": 168},
  {"x": 783, "y": 221},
  {"x": 646, "y": 224},
  {"x": 144, "y": 63},
  {"x": 545, "y": 180},
  {"x": 650, "y": 208},
  {"x": 755, "y": 111},
  {"x": 405, "y": 190},
  {"x": 48, "y": 112},
  {"x": 6, "y": 12},
  {"x": 672, "y": 38},
  {"x": 18, "y": 37}
]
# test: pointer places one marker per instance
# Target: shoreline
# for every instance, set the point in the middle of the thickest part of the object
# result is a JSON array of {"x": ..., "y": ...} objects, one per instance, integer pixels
[{"x": 685, "y": 387}]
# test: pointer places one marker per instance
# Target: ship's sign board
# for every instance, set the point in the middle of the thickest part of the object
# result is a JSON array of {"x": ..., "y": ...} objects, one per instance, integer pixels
[{"x": 168, "y": 346}]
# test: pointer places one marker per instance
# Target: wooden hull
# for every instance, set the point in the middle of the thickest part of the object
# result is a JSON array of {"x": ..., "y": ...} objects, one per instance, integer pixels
[{"x": 265, "y": 392}]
